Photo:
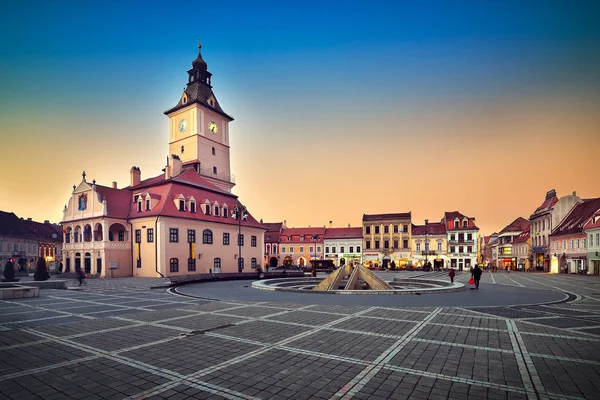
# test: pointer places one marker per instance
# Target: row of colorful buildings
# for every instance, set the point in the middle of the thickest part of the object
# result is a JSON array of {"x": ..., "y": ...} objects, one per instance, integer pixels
[
  {"x": 383, "y": 241},
  {"x": 25, "y": 241},
  {"x": 561, "y": 236}
]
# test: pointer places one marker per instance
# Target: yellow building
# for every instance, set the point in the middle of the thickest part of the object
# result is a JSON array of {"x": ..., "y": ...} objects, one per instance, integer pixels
[{"x": 386, "y": 238}]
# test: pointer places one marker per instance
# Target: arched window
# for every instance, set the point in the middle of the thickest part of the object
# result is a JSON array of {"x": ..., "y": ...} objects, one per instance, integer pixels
[
  {"x": 174, "y": 265},
  {"x": 207, "y": 236},
  {"x": 253, "y": 262}
]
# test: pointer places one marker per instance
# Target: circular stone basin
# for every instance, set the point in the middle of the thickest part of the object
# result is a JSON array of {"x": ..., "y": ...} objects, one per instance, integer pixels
[{"x": 401, "y": 286}]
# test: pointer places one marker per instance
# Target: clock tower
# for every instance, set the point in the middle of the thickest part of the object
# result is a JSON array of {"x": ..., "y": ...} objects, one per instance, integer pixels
[{"x": 199, "y": 128}]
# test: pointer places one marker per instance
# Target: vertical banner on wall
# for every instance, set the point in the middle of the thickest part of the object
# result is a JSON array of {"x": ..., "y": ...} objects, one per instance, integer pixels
[{"x": 192, "y": 249}]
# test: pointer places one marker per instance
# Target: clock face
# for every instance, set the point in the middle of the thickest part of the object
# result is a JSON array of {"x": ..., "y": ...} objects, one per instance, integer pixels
[
  {"x": 182, "y": 125},
  {"x": 212, "y": 126}
]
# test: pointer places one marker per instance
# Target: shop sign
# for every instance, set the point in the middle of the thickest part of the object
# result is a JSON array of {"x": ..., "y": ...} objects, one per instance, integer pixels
[
  {"x": 351, "y": 255},
  {"x": 371, "y": 255}
]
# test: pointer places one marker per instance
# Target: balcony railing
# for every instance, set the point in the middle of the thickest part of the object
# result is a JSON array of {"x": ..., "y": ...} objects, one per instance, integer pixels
[{"x": 428, "y": 253}]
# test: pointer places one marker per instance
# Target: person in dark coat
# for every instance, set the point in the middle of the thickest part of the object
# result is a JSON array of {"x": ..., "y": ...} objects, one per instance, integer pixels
[{"x": 476, "y": 274}]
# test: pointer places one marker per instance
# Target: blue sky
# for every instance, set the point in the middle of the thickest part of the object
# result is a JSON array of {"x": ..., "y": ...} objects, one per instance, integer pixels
[{"x": 312, "y": 78}]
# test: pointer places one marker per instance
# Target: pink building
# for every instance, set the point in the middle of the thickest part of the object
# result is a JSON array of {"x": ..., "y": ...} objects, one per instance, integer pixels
[
  {"x": 182, "y": 221},
  {"x": 568, "y": 241}
]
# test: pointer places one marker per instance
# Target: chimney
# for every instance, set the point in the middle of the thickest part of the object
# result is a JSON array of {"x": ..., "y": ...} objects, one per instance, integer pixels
[
  {"x": 135, "y": 176},
  {"x": 330, "y": 222},
  {"x": 574, "y": 193},
  {"x": 284, "y": 223},
  {"x": 426, "y": 221},
  {"x": 46, "y": 221},
  {"x": 28, "y": 219},
  {"x": 348, "y": 224},
  {"x": 114, "y": 185},
  {"x": 173, "y": 167}
]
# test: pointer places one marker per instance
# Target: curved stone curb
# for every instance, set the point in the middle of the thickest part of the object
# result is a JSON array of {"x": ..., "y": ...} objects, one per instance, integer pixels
[{"x": 443, "y": 287}]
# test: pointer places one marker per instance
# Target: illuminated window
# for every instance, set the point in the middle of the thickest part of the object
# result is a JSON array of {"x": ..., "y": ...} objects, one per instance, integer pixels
[{"x": 506, "y": 250}]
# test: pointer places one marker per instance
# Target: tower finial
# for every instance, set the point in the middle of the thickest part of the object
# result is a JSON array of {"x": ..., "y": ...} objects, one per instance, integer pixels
[
  {"x": 199, "y": 44},
  {"x": 83, "y": 175}
]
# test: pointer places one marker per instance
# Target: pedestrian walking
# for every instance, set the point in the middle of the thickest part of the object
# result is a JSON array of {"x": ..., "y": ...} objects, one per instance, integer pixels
[
  {"x": 81, "y": 277},
  {"x": 476, "y": 274},
  {"x": 452, "y": 274}
]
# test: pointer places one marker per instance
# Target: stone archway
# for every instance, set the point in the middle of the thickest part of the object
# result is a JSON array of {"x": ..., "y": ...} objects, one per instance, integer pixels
[{"x": 273, "y": 262}]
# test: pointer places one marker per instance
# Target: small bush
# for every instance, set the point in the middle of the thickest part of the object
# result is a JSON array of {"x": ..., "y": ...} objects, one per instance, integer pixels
[
  {"x": 41, "y": 272},
  {"x": 9, "y": 270}
]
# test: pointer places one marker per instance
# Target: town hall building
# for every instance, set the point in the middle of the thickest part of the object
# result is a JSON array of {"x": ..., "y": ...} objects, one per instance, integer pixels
[{"x": 182, "y": 221}]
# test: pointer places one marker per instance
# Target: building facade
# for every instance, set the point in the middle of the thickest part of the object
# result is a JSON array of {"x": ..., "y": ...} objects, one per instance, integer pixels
[
  {"x": 386, "y": 238},
  {"x": 272, "y": 240},
  {"x": 24, "y": 241},
  {"x": 592, "y": 231},
  {"x": 568, "y": 240},
  {"x": 462, "y": 236},
  {"x": 183, "y": 221},
  {"x": 541, "y": 228},
  {"x": 506, "y": 256},
  {"x": 521, "y": 248},
  {"x": 429, "y": 244},
  {"x": 300, "y": 245},
  {"x": 343, "y": 246}
]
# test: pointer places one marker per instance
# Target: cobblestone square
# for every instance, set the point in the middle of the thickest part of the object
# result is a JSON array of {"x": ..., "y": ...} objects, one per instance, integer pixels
[{"x": 105, "y": 342}]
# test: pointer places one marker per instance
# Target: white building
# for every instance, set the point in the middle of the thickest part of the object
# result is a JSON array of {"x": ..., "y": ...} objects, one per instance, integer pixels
[{"x": 343, "y": 245}]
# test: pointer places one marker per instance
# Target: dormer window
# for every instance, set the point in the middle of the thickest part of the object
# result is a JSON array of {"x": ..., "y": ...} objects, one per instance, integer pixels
[
  {"x": 181, "y": 205},
  {"x": 207, "y": 209},
  {"x": 147, "y": 204},
  {"x": 302, "y": 238},
  {"x": 193, "y": 206},
  {"x": 139, "y": 206},
  {"x": 456, "y": 223},
  {"x": 217, "y": 210},
  {"x": 225, "y": 212},
  {"x": 465, "y": 223},
  {"x": 135, "y": 198}
]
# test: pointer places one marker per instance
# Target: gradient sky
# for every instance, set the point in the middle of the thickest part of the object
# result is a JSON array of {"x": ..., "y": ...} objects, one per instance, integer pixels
[{"x": 341, "y": 108}]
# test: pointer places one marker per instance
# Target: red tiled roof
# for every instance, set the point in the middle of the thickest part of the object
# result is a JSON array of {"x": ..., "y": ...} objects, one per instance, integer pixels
[
  {"x": 547, "y": 204},
  {"x": 591, "y": 224},
  {"x": 451, "y": 216},
  {"x": 522, "y": 238},
  {"x": 15, "y": 227},
  {"x": 435, "y": 228},
  {"x": 118, "y": 201},
  {"x": 372, "y": 217},
  {"x": 486, "y": 239},
  {"x": 518, "y": 225},
  {"x": 273, "y": 226},
  {"x": 272, "y": 235},
  {"x": 187, "y": 175},
  {"x": 302, "y": 231},
  {"x": 343, "y": 233},
  {"x": 167, "y": 207},
  {"x": 577, "y": 217}
]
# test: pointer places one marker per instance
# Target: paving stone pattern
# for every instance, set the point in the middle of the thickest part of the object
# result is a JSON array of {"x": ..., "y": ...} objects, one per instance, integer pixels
[{"x": 119, "y": 339}]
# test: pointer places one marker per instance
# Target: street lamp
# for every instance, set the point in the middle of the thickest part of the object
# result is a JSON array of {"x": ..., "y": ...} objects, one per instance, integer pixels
[{"x": 244, "y": 216}]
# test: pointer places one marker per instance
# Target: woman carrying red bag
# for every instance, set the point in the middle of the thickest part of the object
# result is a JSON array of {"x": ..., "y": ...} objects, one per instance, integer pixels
[{"x": 476, "y": 276}]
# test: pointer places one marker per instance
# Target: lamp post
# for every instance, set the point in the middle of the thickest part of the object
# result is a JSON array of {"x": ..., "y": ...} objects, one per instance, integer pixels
[
  {"x": 426, "y": 248},
  {"x": 244, "y": 215}
]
